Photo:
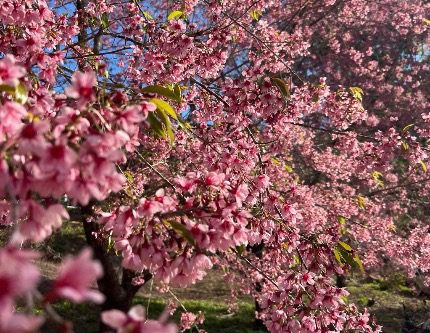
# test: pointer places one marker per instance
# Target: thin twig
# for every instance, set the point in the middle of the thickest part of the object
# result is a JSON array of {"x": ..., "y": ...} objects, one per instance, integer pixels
[{"x": 156, "y": 171}]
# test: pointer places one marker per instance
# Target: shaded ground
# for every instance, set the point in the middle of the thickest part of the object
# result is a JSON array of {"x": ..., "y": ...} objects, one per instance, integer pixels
[
  {"x": 392, "y": 304},
  {"x": 386, "y": 297}
]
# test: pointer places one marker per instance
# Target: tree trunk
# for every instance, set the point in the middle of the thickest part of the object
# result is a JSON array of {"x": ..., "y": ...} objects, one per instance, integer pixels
[
  {"x": 119, "y": 291},
  {"x": 340, "y": 281},
  {"x": 257, "y": 250}
]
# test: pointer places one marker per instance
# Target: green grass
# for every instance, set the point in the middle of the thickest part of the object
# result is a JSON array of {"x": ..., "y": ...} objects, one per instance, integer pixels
[
  {"x": 388, "y": 302},
  {"x": 387, "y": 308},
  {"x": 386, "y": 295},
  {"x": 217, "y": 316}
]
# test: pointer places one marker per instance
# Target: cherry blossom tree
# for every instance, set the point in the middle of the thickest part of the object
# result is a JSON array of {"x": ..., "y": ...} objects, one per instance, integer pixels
[{"x": 283, "y": 140}]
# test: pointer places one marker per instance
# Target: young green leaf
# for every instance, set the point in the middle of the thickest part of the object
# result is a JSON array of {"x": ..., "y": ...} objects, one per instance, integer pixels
[
  {"x": 21, "y": 94},
  {"x": 105, "y": 21},
  {"x": 358, "y": 262},
  {"x": 165, "y": 107},
  {"x": 6, "y": 88},
  {"x": 177, "y": 14},
  {"x": 155, "y": 125},
  {"x": 407, "y": 127},
  {"x": 182, "y": 231},
  {"x": 255, "y": 14},
  {"x": 345, "y": 246},
  {"x": 282, "y": 85},
  {"x": 342, "y": 220},
  {"x": 337, "y": 256},
  {"x": 423, "y": 165},
  {"x": 357, "y": 93},
  {"x": 147, "y": 15},
  {"x": 174, "y": 94},
  {"x": 361, "y": 202}
]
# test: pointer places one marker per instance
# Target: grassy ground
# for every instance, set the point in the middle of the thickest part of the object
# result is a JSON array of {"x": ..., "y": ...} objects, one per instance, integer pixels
[
  {"x": 385, "y": 296},
  {"x": 392, "y": 302},
  {"x": 387, "y": 308}
]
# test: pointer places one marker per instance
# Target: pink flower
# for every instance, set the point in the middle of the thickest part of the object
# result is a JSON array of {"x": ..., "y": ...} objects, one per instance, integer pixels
[
  {"x": 308, "y": 278},
  {"x": 214, "y": 179},
  {"x": 18, "y": 274},
  {"x": 10, "y": 73},
  {"x": 241, "y": 194},
  {"x": 55, "y": 169},
  {"x": 31, "y": 137},
  {"x": 135, "y": 322},
  {"x": 75, "y": 278},
  {"x": 134, "y": 114},
  {"x": 148, "y": 208},
  {"x": 372, "y": 120},
  {"x": 11, "y": 115},
  {"x": 82, "y": 87},
  {"x": 262, "y": 182},
  {"x": 189, "y": 319},
  {"x": 40, "y": 221},
  {"x": 177, "y": 25}
]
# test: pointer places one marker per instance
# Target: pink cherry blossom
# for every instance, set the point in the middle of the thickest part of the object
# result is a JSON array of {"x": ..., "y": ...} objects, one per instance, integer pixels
[
  {"x": 75, "y": 278},
  {"x": 39, "y": 222},
  {"x": 10, "y": 72},
  {"x": 11, "y": 115},
  {"x": 18, "y": 274},
  {"x": 135, "y": 322},
  {"x": 82, "y": 87}
]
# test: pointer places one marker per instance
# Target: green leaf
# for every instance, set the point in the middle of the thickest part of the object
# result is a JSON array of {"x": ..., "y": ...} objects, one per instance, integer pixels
[
  {"x": 345, "y": 246},
  {"x": 165, "y": 107},
  {"x": 297, "y": 260},
  {"x": 407, "y": 127},
  {"x": 240, "y": 249},
  {"x": 361, "y": 202},
  {"x": 345, "y": 255},
  {"x": 423, "y": 165},
  {"x": 177, "y": 14},
  {"x": 159, "y": 120},
  {"x": 315, "y": 98},
  {"x": 166, "y": 125},
  {"x": 377, "y": 177},
  {"x": 359, "y": 263},
  {"x": 282, "y": 85},
  {"x": 342, "y": 220},
  {"x": 426, "y": 21},
  {"x": 155, "y": 124},
  {"x": 6, "y": 88},
  {"x": 111, "y": 243},
  {"x": 337, "y": 256},
  {"x": 182, "y": 231},
  {"x": 357, "y": 93},
  {"x": 174, "y": 94},
  {"x": 21, "y": 94},
  {"x": 178, "y": 92},
  {"x": 129, "y": 175},
  {"x": 147, "y": 15},
  {"x": 255, "y": 14},
  {"x": 288, "y": 168},
  {"x": 105, "y": 20},
  {"x": 184, "y": 124}
]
